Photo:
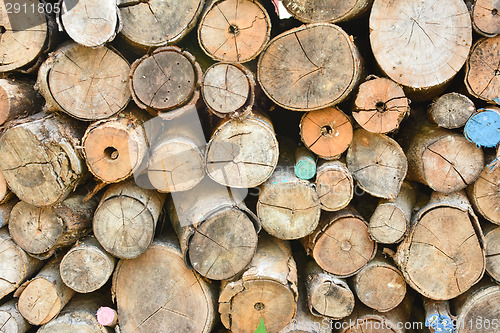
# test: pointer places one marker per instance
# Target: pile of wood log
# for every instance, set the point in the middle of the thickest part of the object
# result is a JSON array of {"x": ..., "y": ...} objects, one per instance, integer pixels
[{"x": 249, "y": 165}]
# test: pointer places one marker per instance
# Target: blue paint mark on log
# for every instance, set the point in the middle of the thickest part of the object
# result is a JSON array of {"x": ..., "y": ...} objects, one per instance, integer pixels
[
  {"x": 305, "y": 168},
  {"x": 483, "y": 128}
]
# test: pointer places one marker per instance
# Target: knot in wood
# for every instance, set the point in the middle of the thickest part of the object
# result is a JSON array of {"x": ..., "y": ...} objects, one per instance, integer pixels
[
  {"x": 2, "y": 29},
  {"x": 381, "y": 107},
  {"x": 233, "y": 29},
  {"x": 259, "y": 306},
  {"x": 346, "y": 246}
]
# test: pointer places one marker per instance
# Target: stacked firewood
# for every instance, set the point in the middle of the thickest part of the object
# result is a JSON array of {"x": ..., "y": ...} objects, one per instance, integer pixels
[{"x": 229, "y": 165}]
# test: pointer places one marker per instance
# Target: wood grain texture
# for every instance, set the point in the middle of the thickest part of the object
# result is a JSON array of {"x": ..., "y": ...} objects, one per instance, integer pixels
[
  {"x": 484, "y": 194},
  {"x": 16, "y": 266},
  {"x": 327, "y": 11},
  {"x": 341, "y": 243},
  {"x": 482, "y": 72},
  {"x": 234, "y": 30},
  {"x": 418, "y": 44},
  {"x": 18, "y": 99},
  {"x": 451, "y": 110},
  {"x": 125, "y": 220},
  {"x": 114, "y": 148},
  {"x": 217, "y": 232},
  {"x": 443, "y": 256},
  {"x": 41, "y": 163},
  {"x": 90, "y": 22},
  {"x": 492, "y": 246},
  {"x": 242, "y": 153},
  {"x": 42, "y": 298},
  {"x": 334, "y": 185},
  {"x": 442, "y": 159},
  {"x": 164, "y": 80},
  {"x": 486, "y": 18},
  {"x": 157, "y": 293},
  {"x": 86, "y": 267},
  {"x": 11, "y": 320},
  {"x": 327, "y": 132},
  {"x": 318, "y": 63},
  {"x": 23, "y": 37},
  {"x": 380, "y": 105},
  {"x": 155, "y": 23},
  {"x": 378, "y": 163},
  {"x": 86, "y": 83},
  {"x": 267, "y": 289},
  {"x": 40, "y": 231}
]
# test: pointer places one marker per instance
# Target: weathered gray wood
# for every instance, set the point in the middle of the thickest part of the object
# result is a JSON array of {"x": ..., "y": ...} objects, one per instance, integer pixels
[
  {"x": 331, "y": 11},
  {"x": 334, "y": 185},
  {"x": 11, "y": 320},
  {"x": 157, "y": 293},
  {"x": 40, "y": 160},
  {"x": 16, "y": 266},
  {"x": 443, "y": 256},
  {"x": 125, "y": 220},
  {"x": 40, "y": 231},
  {"x": 86, "y": 267},
  {"x": 324, "y": 69},
  {"x": 217, "y": 232},
  {"x": 18, "y": 99},
  {"x": 484, "y": 194},
  {"x": 267, "y": 289},
  {"x": 42, "y": 298},
  {"x": 451, "y": 110},
  {"x": 492, "y": 247}
]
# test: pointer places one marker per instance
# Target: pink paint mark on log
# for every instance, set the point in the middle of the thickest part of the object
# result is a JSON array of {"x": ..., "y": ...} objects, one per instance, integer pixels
[{"x": 107, "y": 316}]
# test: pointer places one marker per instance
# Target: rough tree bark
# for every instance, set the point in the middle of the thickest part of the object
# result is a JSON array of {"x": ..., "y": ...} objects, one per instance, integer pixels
[
  {"x": 40, "y": 231},
  {"x": 324, "y": 69},
  {"x": 438, "y": 316},
  {"x": 477, "y": 309},
  {"x": 441, "y": 159},
  {"x": 482, "y": 71},
  {"x": 11, "y": 320},
  {"x": 427, "y": 47},
  {"x": 147, "y": 25},
  {"x": 443, "y": 256},
  {"x": 484, "y": 194},
  {"x": 334, "y": 185},
  {"x": 380, "y": 105},
  {"x": 327, "y": 295},
  {"x": 234, "y": 30},
  {"x": 380, "y": 285},
  {"x": 23, "y": 35},
  {"x": 267, "y": 289},
  {"x": 228, "y": 89},
  {"x": 327, "y": 133},
  {"x": 18, "y": 99},
  {"x": 288, "y": 207},
  {"x": 86, "y": 83},
  {"x": 378, "y": 163},
  {"x": 390, "y": 222},
  {"x": 451, "y": 110},
  {"x": 367, "y": 320},
  {"x": 40, "y": 160},
  {"x": 492, "y": 246},
  {"x": 242, "y": 153},
  {"x": 86, "y": 267},
  {"x": 341, "y": 243},
  {"x": 176, "y": 160},
  {"x": 327, "y": 11},
  {"x": 157, "y": 293},
  {"x": 5, "y": 193},
  {"x": 79, "y": 315},
  {"x": 5, "y": 210},
  {"x": 91, "y": 23},
  {"x": 42, "y": 298},
  {"x": 486, "y": 18},
  {"x": 165, "y": 81},
  {"x": 217, "y": 232},
  {"x": 114, "y": 148},
  {"x": 125, "y": 220},
  {"x": 16, "y": 266}
]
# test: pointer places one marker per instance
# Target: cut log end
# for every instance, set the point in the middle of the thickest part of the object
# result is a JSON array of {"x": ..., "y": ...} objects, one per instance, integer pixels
[
  {"x": 35, "y": 311},
  {"x": 492, "y": 245},
  {"x": 451, "y": 110},
  {"x": 334, "y": 185},
  {"x": 227, "y": 89},
  {"x": 327, "y": 133},
  {"x": 483, "y": 128},
  {"x": 165, "y": 80},
  {"x": 234, "y": 30},
  {"x": 23, "y": 36},
  {"x": 326, "y": 11},
  {"x": 481, "y": 79},
  {"x": 486, "y": 17},
  {"x": 484, "y": 194},
  {"x": 325, "y": 67},
  {"x": 380, "y": 105},
  {"x": 422, "y": 55}
]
